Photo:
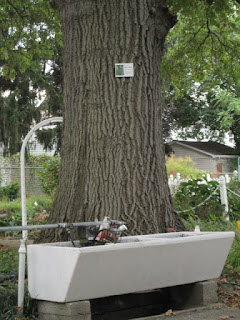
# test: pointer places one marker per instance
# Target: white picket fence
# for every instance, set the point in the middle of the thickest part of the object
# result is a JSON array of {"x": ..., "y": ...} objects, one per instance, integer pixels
[
  {"x": 175, "y": 182},
  {"x": 223, "y": 180}
]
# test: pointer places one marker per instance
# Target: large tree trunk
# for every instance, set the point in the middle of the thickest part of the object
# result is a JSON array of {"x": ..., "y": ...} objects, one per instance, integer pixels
[{"x": 113, "y": 161}]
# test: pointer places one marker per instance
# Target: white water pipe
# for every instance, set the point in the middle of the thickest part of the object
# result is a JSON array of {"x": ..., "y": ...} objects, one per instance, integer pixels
[
  {"x": 22, "y": 249},
  {"x": 21, "y": 273}
]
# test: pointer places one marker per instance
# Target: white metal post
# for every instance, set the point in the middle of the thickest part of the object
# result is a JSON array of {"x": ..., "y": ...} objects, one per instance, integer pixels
[
  {"x": 22, "y": 249},
  {"x": 223, "y": 195},
  {"x": 21, "y": 274}
]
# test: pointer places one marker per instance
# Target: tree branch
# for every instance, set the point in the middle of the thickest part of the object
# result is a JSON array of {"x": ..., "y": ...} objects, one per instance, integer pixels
[
  {"x": 16, "y": 9},
  {"x": 210, "y": 32}
]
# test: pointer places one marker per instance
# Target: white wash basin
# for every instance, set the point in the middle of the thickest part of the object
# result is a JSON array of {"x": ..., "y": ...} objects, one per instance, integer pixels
[{"x": 61, "y": 273}]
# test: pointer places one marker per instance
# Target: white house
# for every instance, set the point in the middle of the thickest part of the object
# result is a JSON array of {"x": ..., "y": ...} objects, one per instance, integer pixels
[{"x": 208, "y": 156}]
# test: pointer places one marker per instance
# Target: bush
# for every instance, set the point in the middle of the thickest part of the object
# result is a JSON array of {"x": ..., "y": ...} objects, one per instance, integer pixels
[
  {"x": 8, "y": 303},
  {"x": 38, "y": 209},
  {"x": 194, "y": 192},
  {"x": 9, "y": 289},
  {"x": 49, "y": 175},
  {"x": 233, "y": 199},
  {"x": 184, "y": 166},
  {"x": 11, "y": 191},
  {"x": 9, "y": 260}
]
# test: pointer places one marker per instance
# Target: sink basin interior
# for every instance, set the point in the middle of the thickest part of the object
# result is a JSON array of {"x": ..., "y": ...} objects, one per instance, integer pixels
[{"x": 130, "y": 239}]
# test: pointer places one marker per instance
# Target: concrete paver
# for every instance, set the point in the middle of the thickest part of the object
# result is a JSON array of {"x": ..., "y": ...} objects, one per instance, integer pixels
[{"x": 213, "y": 312}]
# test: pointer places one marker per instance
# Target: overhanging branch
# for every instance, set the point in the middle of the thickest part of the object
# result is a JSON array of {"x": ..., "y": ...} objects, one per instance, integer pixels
[{"x": 15, "y": 9}]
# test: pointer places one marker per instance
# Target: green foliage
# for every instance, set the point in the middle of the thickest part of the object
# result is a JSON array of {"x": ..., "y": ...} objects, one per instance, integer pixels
[
  {"x": 233, "y": 200},
  {"x": 10, "y": 191},
  {"x": 201, "y": 70},
  {"x": 30, "y": 30},
  {"x": 207, "y": 36},
  {"x": 8, "y": 303},
  {"x": 8, "y": 298},
  {"x": 31, "y": 38},
  {"x": 9, "y": 289},
  {"x": 205, "y": 115},
  {"x": 194, "y": 192},
  {"x": 228, "y": 105},
  {"x": 32, "y": 159},
  {"x": 43, "y": 203},
  {"x": 234, "y": 256},
  {"x": 17, "y": 113},
  {"x": 9, "y": 260},
  {"x": 38, "y": 210},
  {"x": 184, "y": 166},
  {"x": 49, "y": 175}
]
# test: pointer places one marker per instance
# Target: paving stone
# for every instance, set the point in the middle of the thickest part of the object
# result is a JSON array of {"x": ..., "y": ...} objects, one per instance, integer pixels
[
  {"x": 45, "y": 316},
  {"x": 64, "y": 309}
]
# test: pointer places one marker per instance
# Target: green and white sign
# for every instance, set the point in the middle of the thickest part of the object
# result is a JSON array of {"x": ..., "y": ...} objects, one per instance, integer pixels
[{"x": 124, "y": 70}]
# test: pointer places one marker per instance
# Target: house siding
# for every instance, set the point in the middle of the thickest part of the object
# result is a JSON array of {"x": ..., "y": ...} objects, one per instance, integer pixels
[
  {"x": 202, "y": 162},
  {"x": 227, "y": 164}
]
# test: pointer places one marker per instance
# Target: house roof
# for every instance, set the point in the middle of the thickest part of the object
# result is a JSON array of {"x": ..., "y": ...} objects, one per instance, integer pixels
[{"x": 209, "y": 147}]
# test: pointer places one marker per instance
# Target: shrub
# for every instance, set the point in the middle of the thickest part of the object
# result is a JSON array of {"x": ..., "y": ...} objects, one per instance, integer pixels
[
  {"x": 31, "y": 160},
  {"x": 233, "y": 199},
  {"x": 8, "y": 302},
  {"x": 49, "y": 175},
  {"x": 38, "y": 209},
  {"x": 11, "y": 191},
  {"x": 9, "y": 260},
  {"x": 185, "y": 166},
  {"x": 9, "y": 289},
  {"x": 194, "y": 192}
]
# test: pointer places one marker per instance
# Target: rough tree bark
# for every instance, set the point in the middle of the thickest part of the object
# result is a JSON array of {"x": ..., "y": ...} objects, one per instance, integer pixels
[{"x": 113, "y": 161}]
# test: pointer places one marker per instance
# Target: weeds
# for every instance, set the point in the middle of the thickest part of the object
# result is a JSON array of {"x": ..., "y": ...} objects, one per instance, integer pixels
[{"x": 8, "y": 299}]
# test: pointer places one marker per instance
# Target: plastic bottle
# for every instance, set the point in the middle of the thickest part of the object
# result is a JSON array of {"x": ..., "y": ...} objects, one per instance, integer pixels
[{"x": 197, "y": 229}]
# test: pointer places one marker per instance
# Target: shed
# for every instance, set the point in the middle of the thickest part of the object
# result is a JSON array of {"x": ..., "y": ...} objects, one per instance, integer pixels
[{"x": 208, "y": 156}]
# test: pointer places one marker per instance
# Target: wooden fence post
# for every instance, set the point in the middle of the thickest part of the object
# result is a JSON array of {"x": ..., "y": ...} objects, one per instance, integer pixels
[{"x": 223, "y": 195}]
